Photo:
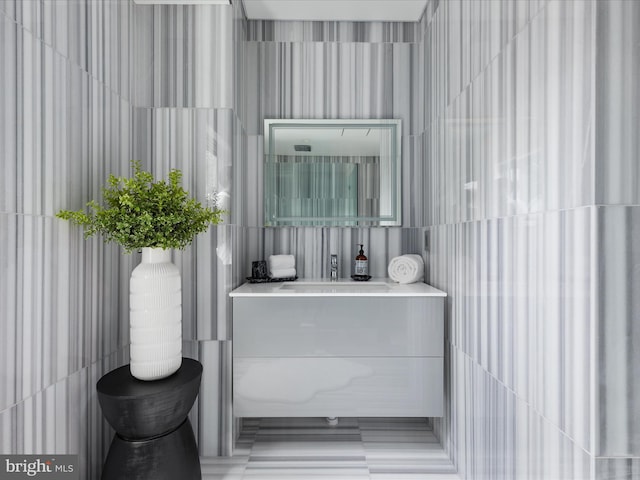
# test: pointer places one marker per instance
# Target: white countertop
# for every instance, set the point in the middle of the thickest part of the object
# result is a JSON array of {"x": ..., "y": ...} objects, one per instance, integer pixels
[{"x": 376, "y": 287}]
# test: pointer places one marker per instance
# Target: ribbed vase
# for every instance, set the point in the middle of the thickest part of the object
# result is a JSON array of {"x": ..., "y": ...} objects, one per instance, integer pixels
[{"x": 156, "y": 316}]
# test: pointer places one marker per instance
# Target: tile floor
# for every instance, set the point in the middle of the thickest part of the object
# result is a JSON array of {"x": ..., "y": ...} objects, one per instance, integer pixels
[{"x": 355, "y": 449}]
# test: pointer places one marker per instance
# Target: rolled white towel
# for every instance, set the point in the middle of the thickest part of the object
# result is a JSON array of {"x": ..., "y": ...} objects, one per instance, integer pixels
[
  {"x": 283, "y": 273},
  {"x": 406, "y": 269},
  {"x": 279, "y": 262}
]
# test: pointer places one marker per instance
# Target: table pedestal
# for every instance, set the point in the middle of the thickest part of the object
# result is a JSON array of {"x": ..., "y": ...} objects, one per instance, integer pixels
[{"x": 154, "y": 438}]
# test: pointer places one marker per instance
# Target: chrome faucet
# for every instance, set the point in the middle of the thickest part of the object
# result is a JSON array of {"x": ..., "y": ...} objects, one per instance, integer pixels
[{"x": 334, "y": 267}]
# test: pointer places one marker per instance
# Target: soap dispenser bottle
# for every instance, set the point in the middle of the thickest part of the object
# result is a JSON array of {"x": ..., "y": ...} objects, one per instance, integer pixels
[{"x": 362, "y": 266}]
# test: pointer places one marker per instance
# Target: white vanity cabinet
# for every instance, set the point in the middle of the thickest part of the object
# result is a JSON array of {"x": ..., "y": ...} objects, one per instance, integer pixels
[{"x": 315, "y": 349}]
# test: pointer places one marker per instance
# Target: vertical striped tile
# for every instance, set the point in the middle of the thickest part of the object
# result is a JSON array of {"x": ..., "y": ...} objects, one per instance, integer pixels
[
  {"x": 65, "y": 127},
  {"x": 617, "y": 100},
  {"x": 189, "y": 62},
  {"x": 307, "y": 31},
  {"x": 616, "y": 468},
  {"x": 9, "y": 108},
  {"x": 509, "y": 157},
  {"x": 616, "y": 406},
  {"x": 215, "y": 419},
  {"x": 380, "y": 448},
  {"x": 205, "y": 145},
  {"x": 313, "y": 247}
]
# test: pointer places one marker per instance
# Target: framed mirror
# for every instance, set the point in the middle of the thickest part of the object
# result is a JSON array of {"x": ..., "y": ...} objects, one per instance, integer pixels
[{"x": 332, "y": 172}]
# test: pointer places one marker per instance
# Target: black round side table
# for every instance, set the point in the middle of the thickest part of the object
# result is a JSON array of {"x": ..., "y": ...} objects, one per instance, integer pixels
[{"x": 154, "y": 438}]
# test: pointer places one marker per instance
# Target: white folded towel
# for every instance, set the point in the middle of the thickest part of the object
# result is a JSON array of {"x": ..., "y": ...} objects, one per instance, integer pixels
[
  {"x": 283, "y": 273},
  {"x": 406, "y": 269},
  {"x": 278, "y": 262}
]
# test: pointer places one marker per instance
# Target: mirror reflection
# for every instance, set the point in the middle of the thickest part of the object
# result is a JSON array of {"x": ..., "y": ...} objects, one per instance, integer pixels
[{"x": 332, "y": 172}]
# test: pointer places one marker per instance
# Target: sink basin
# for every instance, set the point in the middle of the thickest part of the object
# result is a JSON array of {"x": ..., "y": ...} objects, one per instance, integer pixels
[
  {"x": 335, "y": 287},
  {"x": 377, "y": 287}
]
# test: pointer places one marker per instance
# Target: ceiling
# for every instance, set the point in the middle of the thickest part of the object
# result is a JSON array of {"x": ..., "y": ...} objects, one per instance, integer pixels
[
  {"x": 182, "y": 2},
  {"x": 348, "y": 10},
  {"x": 329, "y": 141},
  {"x": 331, "y": 10}
]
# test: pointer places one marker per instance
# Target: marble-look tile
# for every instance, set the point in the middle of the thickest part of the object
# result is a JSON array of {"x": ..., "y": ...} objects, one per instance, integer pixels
[
  {"x": 618, "y": 336},
  {"x": 512, "y": 136},
  {"x": 327, "y": 80},
  {"x": 190, "y": 62},
  {"x": 252, "y": 182},
  {"x": 313, "y": 247},
  {"x": 497, "y": 435},
  {"x": 413, "y": 187},
  {"x": 65, "y": 126},
  {"x": 179, "y": 50},
  {"x": 63, "y": 418},
  {"x": 9, "y": 111},
  {"x": 404, "y": 449},
  {"x": 8, "y": 9},
  {"x": 202, "y": 143},
  {"x": 92, "y": 35},
  {"x": 227, "y": 468},
  {"x": 26, "y": 14},
  {"x": 617, "y": 101},
  {"x": 520, "y": 305},
  {"x": 72, "y": 28},
  {"x": 510, "y": 183},
  {"x": 206, "y": 145},
  {"x": 298, "y": 448},
  {"x": 215, "y": 416},
  {"x": 241, "y": 72},
  {"x": 500, "y": 129},
  {"x": 221, "y": 261},
  {"x": 617, "y": 468},
  {"x": 345, "y": 32},
  {"x": 62, "y": 310},
  {"x": 107, "y": 48},
  {"x": 563, "y": 130},
  {"x": 320, "y": 70},
  {"x": 71, "y": 127},
  {"x": 333, "y": 89}
]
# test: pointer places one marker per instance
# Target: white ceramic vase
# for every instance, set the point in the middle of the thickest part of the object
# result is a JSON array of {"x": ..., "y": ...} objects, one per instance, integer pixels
[{"x": 156, "y": 316}]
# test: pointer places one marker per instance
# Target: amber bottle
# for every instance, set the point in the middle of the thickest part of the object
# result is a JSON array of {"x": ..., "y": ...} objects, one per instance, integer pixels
[{"x": 362, "y": 265}]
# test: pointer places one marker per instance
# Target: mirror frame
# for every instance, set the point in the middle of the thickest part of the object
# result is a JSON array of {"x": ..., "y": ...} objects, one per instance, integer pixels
[{"x": 392, "y": 220}]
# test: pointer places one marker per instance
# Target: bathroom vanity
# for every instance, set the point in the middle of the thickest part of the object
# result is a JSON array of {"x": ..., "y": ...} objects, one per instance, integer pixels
[{"x": 338, "y": 349}]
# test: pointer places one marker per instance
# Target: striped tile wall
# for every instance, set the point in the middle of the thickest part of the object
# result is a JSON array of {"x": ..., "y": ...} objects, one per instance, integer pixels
[
  {"x": 65, "y": 126},
  {"x": 617, "y": 101},
  {"x": 313, "y": 246},
  {"x": 93, "y": 91},
  {"x": 512, "y": 131},
  {"x": 614, "y": 468},
  {"x": 330, "y": 70},
  {"x": 618, "y": 333},
  {"x": 357, "y": 448},
  {"x": 504, "y": 182},
  {"x": 188, "y": 114},
  {"x": 64, "y": 417},
  {"x": 326, "y": 80},
  {"x": 520, "y": 313},
  {"x": 185, "y": 56},
  {"x": 527, "y": 131},
  {"x": 94, "y": 36},
  {"x": 509, "y": 164},
  {"x": 350, "y": 32}
]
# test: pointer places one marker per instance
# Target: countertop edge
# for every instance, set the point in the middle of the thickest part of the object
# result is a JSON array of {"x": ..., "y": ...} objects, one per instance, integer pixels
[{"x": 273, "y": 290}]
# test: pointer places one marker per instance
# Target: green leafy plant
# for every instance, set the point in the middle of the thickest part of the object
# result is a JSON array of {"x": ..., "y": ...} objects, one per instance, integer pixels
[{"x": 141, "y": 212}]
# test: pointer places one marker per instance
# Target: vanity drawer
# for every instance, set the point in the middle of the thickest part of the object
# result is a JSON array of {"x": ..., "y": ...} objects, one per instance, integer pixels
[
  {"x": 338, "y": 326},
  {"x": 339, "y": 386}
]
